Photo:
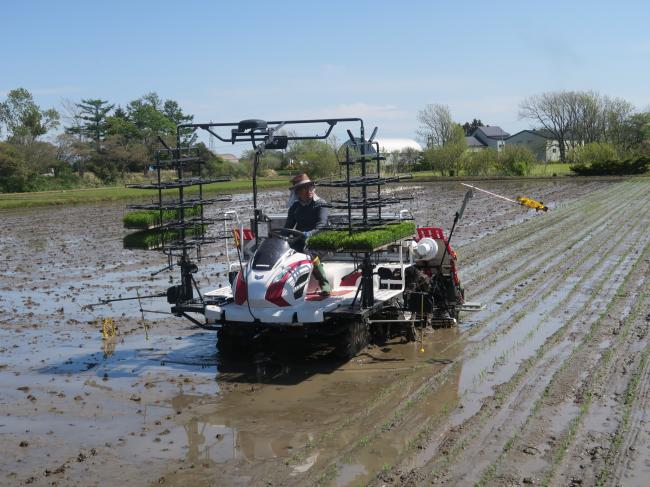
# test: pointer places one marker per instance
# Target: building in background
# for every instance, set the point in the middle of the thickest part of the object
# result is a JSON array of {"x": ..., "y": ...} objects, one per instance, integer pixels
[
  {"x": 483, "y": 137},
  {"x": 541, "y": 143},
  {"x": 399, "y": 150},
  {"x": 228, "y": 158}
]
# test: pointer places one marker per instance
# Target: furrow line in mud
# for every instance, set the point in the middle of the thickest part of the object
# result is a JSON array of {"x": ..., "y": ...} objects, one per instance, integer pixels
[
  {"x": 406, "y": 404},
  {"x": 602, "y": 373},
  {"x": 631, "y": 425},
  {"x": 504, "y": 308},
  {"x": 554, "y": 261},
  {"x": 558, "y": 388},
  {"x": 520, "y": 234},
  {"x": 485, "y": 250},
  {"x": 623, "y": 400},
  {"x": 539, "y": 255},
  {"x": 527, "y": 305},
  {"x": 506, "y": 389},
  {"x": 536, "y": 247}
]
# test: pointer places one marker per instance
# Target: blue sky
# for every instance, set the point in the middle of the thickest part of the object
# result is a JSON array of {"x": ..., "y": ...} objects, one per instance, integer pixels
[{"x": 383, "y": 61}]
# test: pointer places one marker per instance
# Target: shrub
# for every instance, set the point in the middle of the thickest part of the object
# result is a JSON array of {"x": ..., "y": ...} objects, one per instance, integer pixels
[
  {"x": 515, "y": 160},
  {"x": 632, "y": 165},
  {"x": 361, "y": 241},
  {"x": 479, "y": 163},
  {"x": 594, "y": 152},
  {"x": 218, "y": 167}
]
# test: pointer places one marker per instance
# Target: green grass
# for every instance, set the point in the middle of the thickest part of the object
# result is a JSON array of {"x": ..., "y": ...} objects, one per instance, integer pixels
[
  {"x": 361, "y": 241},
  {"x": 94, "y": 195},
  {"x": 557, "y": 168},
  {"x": 537, "y": 171},
  {"x": 146, "y": 219}
]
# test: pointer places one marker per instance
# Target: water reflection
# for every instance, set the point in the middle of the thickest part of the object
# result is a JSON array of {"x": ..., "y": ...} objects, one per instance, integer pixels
[{"x": 272, "y": 407}]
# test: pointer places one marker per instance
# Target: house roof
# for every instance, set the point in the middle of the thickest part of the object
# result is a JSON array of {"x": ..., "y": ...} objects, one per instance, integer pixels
[
  {"x": 474, "y": 142},
  {"x": 494, "y": 132},
  {"x": 538, "y": 132},
  {"x": 229, "y": 157}
]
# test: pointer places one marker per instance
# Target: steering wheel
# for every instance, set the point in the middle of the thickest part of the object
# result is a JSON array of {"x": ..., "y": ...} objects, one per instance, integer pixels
[{"x": 288, "y": 234}]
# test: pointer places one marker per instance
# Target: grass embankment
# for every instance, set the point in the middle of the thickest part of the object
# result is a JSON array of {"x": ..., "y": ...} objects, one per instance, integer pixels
[{"x": 94, "y": 195}]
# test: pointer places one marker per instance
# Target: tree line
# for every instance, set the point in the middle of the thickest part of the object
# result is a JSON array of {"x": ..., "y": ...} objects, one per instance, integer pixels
[
  {"x": 588, "y": 127},
  {"x": 103, "y": 143},
  {"x": 98, "y": 137}
]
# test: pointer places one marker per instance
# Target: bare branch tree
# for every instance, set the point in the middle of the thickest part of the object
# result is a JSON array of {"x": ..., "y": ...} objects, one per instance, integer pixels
[
  {"x": 555, "y": 112},
  {"x": 616, "y": 117},
  {"x": 436, "y": 126},
  {"x": 576, "y": 117}
]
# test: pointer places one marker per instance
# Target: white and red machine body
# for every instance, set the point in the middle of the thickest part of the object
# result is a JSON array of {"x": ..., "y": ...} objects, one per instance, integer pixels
[{"x": 276, "y": 286}]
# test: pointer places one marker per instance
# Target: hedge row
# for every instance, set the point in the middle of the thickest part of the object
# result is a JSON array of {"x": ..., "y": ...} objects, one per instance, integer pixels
[{"x": 637, "y": 165}]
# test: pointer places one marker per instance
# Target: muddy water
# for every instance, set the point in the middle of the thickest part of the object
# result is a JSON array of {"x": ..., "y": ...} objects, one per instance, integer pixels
[{"x": 157, "y": 395}]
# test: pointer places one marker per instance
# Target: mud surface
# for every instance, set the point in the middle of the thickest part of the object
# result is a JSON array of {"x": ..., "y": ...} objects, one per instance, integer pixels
[{"x": 548, "y": 384}]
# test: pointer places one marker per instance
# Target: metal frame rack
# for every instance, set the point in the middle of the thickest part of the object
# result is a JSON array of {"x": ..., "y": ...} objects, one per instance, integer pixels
[
  {"x": 263, "y": 136},
  {"x": 362, "y": 152},
  {"x": 185, "y": 233}
]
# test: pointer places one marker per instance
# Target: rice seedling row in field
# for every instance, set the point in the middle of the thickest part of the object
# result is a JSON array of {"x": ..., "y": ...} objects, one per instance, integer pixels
[
  {"x": 505, "y": 389},
  {"x": 631, "y": 393},
  {"x": 547, "y": 291},
  {"x": 485, "y": 250},
  {"x": 399, "y": 414},
  {"x": 502, "y": 393},
  {"x": 521, "y": 240},
  {"x": 587, "y": 340}
]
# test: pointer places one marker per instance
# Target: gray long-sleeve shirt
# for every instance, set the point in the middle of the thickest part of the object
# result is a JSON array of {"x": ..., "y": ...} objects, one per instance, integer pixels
[{"x": 307, "y": 218}]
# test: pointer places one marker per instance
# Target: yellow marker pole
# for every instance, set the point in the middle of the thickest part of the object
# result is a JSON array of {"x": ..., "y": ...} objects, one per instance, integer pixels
[{"x": 521, "y": 200}]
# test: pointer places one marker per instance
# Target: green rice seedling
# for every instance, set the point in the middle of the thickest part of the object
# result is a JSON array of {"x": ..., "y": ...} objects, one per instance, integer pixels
[
  {"x": 147, "y": 219},
  {"x": 365, "y": 241},
  {"x": 154, "y": 239}
]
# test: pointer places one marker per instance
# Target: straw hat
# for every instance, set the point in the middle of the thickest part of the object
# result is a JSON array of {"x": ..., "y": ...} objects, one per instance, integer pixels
[{"x": 300, "y": 180}]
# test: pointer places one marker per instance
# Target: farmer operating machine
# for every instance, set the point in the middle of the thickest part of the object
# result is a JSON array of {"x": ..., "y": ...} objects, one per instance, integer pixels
[{"x": 388, "y": 276}]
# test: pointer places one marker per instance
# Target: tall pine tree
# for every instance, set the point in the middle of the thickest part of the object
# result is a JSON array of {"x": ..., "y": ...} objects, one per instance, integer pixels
[{"x": 94, "y": 114}]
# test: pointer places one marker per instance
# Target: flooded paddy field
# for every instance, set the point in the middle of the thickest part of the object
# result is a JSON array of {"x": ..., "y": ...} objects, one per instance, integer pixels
[{"x": 548, "y": 384}]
